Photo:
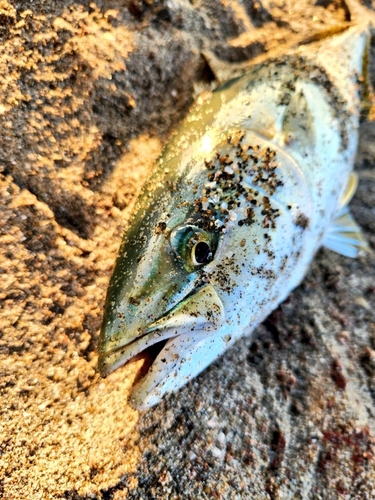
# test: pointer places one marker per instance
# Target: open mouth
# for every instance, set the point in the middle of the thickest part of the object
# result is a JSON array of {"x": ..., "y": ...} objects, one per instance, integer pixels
[
  {"x": 200, "y": 311},
  {"x": 150, "y": 344},
  {"x": 148, "y": 356}
]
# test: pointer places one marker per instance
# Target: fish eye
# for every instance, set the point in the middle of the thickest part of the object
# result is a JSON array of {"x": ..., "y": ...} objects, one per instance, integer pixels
[
  {"x": 201, "y": 253},
  {"x": 193, "y": 246}
]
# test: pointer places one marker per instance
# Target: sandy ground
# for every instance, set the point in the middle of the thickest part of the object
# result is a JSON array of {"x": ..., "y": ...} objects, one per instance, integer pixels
[{"x": 89, "y": 93}]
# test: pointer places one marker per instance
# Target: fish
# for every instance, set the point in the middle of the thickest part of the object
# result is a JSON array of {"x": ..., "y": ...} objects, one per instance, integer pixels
[{"x": 254, "y": 181}]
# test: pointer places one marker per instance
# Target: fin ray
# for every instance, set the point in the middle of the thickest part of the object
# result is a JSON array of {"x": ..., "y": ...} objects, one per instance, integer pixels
[
  {"x": 349, "y": 192},
  {"x": 344, "y": 236}
]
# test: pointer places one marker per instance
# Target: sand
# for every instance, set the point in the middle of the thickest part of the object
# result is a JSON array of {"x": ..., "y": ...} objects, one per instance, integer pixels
[{"x": 89, "y": 93}]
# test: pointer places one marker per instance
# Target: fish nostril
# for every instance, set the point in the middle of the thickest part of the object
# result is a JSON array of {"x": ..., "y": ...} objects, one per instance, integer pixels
[{"x": 134, "y": 301}]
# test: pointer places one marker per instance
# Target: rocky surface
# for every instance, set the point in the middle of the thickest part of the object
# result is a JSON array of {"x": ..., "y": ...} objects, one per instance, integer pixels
[{"x": 89, "y": 93}]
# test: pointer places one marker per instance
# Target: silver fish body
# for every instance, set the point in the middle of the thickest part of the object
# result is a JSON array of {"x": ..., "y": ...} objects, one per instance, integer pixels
[{"x": 238, "y": 204}]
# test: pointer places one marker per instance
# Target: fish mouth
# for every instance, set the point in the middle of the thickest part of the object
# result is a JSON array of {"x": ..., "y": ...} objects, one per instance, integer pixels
[{"x": 199, "y": 312}]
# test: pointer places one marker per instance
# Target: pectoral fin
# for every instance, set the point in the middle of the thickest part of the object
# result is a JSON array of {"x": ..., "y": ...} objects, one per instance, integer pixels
[{"x": 344, "y": 236}]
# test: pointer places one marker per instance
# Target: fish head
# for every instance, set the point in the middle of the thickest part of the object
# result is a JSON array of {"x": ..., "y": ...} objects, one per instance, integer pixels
[
  {"x": 209, "y": 246},
  {"x": 225, "y": 227},
  {"x": 156, "y": 292}
]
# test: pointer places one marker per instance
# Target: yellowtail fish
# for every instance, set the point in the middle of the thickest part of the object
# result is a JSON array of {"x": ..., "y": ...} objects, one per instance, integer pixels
[{"x": 257, "y": 177}]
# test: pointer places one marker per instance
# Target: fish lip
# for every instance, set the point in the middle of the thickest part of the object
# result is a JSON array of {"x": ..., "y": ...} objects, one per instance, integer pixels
[
  {"x": 141, "y": 336},
  {"x": 185, "y": 317},
  {"x": 125, "y": 353}
]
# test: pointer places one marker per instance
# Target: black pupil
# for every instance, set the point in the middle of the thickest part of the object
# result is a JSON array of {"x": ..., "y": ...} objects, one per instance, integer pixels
[{"x": 202, "y": 252}]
